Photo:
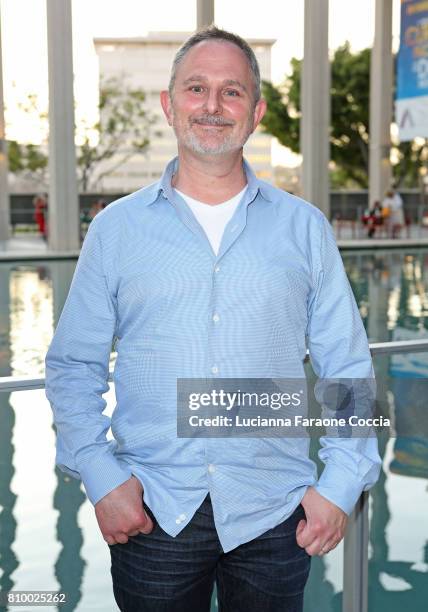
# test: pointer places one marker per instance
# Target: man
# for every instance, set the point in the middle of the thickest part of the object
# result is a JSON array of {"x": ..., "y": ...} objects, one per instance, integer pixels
[{"x": 209, "y": 273}]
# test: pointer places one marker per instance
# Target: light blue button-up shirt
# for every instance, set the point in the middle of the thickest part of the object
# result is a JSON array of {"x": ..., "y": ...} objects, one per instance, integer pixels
[{"x": 148, "y": 277}]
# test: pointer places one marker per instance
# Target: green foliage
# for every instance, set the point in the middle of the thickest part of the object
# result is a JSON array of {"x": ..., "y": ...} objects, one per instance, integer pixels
[
  {"x": 27, "y": 159},
  {"x": 412, "y": 157},
  {"x": 349, "y": 130},
  {"x": 124, "y": 129}
]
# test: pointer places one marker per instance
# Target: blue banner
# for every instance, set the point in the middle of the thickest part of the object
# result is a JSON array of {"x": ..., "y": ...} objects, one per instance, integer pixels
[{"x": 412, "y": 70}]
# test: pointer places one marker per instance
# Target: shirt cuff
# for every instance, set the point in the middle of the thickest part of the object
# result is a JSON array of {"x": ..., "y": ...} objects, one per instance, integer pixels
[
  {"x": 340, "y": 487},
  {"x": 101, "y": 475}
]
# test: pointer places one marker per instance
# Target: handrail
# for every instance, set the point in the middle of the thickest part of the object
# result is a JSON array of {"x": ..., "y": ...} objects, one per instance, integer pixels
[
  {"x": 26, "y": 383},
  {"x": 398, "y": 346}
]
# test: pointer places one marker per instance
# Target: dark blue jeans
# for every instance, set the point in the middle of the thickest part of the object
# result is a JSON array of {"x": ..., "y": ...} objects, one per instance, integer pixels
[{"x": 159, "y": 573}]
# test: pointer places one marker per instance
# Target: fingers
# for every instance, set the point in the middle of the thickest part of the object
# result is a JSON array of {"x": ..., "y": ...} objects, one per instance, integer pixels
[
  {"x": 121, "y": 513},
  {"x": 308, "y": 536},
  {"x": 319, "y": 546},
  {"x": 119, "y": 538},
  {"x": 299, "y": 531},
  {"x": 329, "y": 546},
  {"x": 134, "y": 533},
  {"x": 148, "y": 524},
  {"x": 316, "y": 539}
]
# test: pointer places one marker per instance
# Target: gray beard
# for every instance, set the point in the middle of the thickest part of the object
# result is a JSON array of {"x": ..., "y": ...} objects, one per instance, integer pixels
[
  {"x": 191, "y": 141},
  {"x": 229, "y": 144}
]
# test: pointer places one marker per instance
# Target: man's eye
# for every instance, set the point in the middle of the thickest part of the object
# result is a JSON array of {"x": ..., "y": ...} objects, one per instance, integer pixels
[
  {"x": 231, "y": 92},
  {"x": 196, "y": 88}
]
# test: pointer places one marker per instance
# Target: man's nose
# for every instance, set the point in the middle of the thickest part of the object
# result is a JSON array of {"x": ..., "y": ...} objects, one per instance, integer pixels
[{"x": 212, "y": 103}]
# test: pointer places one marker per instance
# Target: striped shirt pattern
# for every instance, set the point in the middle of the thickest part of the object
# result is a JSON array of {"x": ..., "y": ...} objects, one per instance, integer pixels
[{"x": 148, "y": 278}]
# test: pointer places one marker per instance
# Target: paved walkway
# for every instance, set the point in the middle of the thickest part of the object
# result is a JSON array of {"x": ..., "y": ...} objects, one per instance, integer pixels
[
  {"x": 24, "y": 242},
  {"x": 32, "y": 246},
  {"x": 354, "y": 236}
]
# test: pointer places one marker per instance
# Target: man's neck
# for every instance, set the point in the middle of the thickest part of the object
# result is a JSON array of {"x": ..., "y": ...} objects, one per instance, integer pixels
[{"x": 210, "y": 179}]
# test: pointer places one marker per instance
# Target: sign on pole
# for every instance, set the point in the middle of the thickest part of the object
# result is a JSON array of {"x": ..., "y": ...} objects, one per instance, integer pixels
[{"x": 411, "y": 105}]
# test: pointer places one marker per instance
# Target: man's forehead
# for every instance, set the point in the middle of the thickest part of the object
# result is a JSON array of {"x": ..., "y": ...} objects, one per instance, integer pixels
[
  {"x": 209, "y": 54},
  {"x": 201, "y": 78}
]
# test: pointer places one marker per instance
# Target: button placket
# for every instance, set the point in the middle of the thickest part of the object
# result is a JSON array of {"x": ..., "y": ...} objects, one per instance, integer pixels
[{"x": 215, "y": 316}]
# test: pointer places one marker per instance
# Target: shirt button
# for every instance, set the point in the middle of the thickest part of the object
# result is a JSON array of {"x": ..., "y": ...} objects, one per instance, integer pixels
[
  {"x": 182, "y": 517},
  {"x": 214, "y": 369},
  {"x": 217, "y": 269},
  {"x": 216, "y": 318},
  {"x": 211, "y": 468},
  {"x": 178, "y": 521}
]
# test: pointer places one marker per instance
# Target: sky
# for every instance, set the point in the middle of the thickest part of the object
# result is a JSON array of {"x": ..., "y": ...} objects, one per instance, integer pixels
[{"x": 24, "y": 46}]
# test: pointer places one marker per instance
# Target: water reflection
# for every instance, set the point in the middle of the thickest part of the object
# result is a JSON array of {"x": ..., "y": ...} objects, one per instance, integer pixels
[
  {"x": 69, "y": 566},
  {"x": 395, "y": 585},
  {"x": 391, "y": 292},
  {"x": 31, "y": 292}
]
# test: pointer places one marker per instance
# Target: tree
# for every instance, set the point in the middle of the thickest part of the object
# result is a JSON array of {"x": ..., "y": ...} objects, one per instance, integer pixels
[
  {"x": 349, "y": 130},
  {"x": 123, "y": 130},
  {"x": 28, "y": 160}
]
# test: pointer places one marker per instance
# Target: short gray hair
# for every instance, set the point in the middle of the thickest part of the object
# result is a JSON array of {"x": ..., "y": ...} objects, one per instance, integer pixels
[{"x": 216, "y": 34}]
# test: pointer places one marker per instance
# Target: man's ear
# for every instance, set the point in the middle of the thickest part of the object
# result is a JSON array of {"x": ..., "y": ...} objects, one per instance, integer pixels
[
  {"x": 165, "y": 101},
  {"x": 259, "y": 112}
]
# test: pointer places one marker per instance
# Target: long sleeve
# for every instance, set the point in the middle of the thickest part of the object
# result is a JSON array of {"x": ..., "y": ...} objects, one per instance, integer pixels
[
  {"x": 338, "y": 349},
  {"x": 77, "y": 365}
]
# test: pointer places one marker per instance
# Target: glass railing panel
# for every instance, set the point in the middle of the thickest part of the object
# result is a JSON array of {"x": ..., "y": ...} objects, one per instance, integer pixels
[
  {"x": 325, "y": 583},
  {"x": 50, "y": 538},
  {"x": 398, "y": 536}
]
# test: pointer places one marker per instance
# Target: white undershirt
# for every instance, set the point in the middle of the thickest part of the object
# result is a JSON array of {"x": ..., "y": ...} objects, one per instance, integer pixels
[{"x": 213, "y": 217}]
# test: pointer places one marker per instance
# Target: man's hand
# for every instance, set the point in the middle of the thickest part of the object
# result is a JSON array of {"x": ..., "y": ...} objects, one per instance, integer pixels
[
  {"x": 121, "y": 513},
  {"x": 324, "y": 527}
]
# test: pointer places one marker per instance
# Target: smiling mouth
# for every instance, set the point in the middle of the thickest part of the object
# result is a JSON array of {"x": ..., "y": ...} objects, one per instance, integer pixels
[
  {"x": 209, "y": 127},
  {"x": 211, "y": 124}
]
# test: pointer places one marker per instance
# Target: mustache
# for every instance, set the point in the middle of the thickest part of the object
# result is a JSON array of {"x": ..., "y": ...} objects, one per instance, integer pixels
[{"x": 212, "y": 120}]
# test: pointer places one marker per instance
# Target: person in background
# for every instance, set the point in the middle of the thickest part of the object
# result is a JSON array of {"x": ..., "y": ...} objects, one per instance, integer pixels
[
  {"x": 395, "y": 220},
  {"x": 86, "y": 216},
  {"x": 97, "y": 207},
  {"x": 373, "y": 219},
  {"x": 40, "y": 213}
]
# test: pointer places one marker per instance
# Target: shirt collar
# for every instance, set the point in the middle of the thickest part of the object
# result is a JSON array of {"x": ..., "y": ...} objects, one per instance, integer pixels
[{"x": 164, "y": 184}]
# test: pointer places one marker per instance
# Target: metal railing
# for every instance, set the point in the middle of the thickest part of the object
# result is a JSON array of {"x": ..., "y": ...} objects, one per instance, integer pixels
[
  {"x": 26, "y": 383},
  {"x": 355, "y": 555}
]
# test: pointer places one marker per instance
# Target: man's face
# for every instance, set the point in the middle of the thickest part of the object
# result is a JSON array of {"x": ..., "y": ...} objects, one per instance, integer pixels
[{"x": 212, "y": 110}]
